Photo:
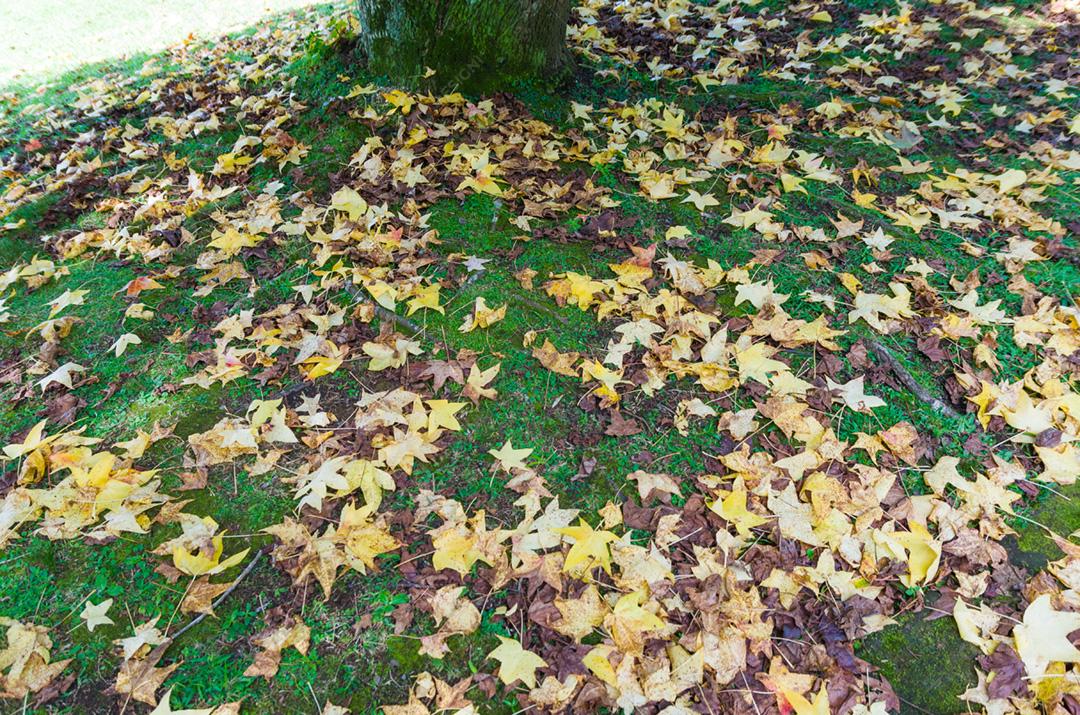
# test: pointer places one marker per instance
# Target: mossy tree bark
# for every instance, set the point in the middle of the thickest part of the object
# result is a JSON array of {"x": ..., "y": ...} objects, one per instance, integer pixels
[{"x": 473, "y": 45}]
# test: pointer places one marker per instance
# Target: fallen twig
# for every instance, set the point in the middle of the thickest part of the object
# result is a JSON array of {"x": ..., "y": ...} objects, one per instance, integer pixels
[
  {"x": 401, "y": 320},
  {"x": 294, "y": 389},
  {"x": 539, "y": 307},
  {"x": 908, "y": 381},
  {"x": 225, "y": 594},
  {"x": 383, "y": 313}
]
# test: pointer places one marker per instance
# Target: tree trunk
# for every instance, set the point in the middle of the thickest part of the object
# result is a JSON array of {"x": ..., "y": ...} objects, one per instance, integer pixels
[{"x": 473, "y": 45}]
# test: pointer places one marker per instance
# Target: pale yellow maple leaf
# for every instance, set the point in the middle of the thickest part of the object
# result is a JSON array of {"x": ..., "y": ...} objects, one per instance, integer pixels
[
  {"x": 164, "y": 707},
  {"x": 349, "y": 201},
  {"x": 853, "y": 394},
  {"x": 364, "y": 537},
  {"x": 648, "y": 482},
  {"x": 516, "y": 663},
  {"x": 802, "y": 706},
  {"x": 33, "y": 440},
  {"x": 581, "y": 615},
  {"x": 482, "y": 316},
  {"x": 94, "y": 614},
  {"x": 590, "y": 548},
  {"x": 977, "y": 625},
  {"x": 509, "y": 458},
  {"x": 596, "y": 660},
  {"x": 61, "y": 376},
  {"x": 917, "y": 547},
  {"x": 629, "y": 623},
  {"x": 732, "y": 508},
  {"x": 476, "y": 385},
  {"x": 288, "y": 635},
  {"x": 25, "y": 665},
  {"x": 1042, "y": 638}
]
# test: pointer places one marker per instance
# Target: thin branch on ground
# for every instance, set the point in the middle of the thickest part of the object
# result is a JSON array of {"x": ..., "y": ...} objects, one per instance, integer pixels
[
  {"x": 910, "y": 382},
  {"x": 225, "y": 594}
]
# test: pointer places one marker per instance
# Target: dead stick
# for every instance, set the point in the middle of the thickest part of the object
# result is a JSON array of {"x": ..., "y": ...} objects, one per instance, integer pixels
[
  {"x": 908, "y": 381},
  {"x": 217, "y": 602},
  {"x": 401, "y": 320},
  {"x": 383, "y": 313},
  {"x": 539, "y": 307}
]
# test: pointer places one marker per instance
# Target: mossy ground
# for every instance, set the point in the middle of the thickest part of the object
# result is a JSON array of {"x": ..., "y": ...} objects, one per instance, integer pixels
[{"x": 925, "y": 660}]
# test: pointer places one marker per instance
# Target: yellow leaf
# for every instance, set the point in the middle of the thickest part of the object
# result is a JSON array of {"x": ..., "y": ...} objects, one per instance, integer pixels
[
  {"x": 552, "y": 359},
  {"x": 580, "y": 616},
  {"x": 370, "y": 479},
  {"x": 320, "y": 366},
  {"x": 441, "y": 415},
  {"x": 364, "y": 538},
  {"x": 802, "y": 706},
  {"x": 455, "y": 549},
  {"x": 426, "y": 297},
  {"x": 700, "y": 201},
  {"x": 481, "y": 183},
  {"x": 853, "y": 284},
  {"x": 1061, "y": 464},
  {"x": 791, "y": 183},
  {"x": 26, "y": 659},
  {"x": 516, "y": 663},
  {"x": 590, "y": 548},
  {"x": 200, "y": 562},
  {"x": 1042, "y": 638},
  {"x": 93, "y": 614},
  {"x": 922, "y": 552},
  {"x": 596, "y": 660},
  {"x": 865, "y": 200},
  {"x": 482, "y": 316},
  {"x": 629, "y": 623},
  {"x": 733, "y": 508},
  {"x": 67, "y": 299},
  {"x": 476, "y": 385},
  {"x": 230, "y": 241},
  {"x": 164, "y": 707},
  {"x": 1009, "y": 180},
  {"x": 755, "y": 363},
  {"x": 31, "y": 441},
  {"x": 399, "y": 100},
  {"x": 348, "y": 201},
  {"x": 121, "y": 344},
  {"x": 510, "y": 458}
]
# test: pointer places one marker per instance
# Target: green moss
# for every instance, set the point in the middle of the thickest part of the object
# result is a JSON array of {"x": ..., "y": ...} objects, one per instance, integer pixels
[
  {"x": 1058, "y": 511},
  {"x": 476, "y": 46},
  {"x": 926, "y": 662}
]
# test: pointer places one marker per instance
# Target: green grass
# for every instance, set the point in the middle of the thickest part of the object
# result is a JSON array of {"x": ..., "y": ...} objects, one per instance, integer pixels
[{"x": 586, "y": 468}]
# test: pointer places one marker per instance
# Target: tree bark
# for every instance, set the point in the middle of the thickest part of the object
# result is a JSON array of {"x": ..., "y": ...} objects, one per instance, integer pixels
[{"x": 473, "y": 45}]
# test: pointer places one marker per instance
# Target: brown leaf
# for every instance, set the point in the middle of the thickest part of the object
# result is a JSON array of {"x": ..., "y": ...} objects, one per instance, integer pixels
[
  {"x": 293, "y": 634},
  {"x": 930, "y": 346},
  {"x": 621, "y": 426},
  {"x": 439, "y": 371},
  {"x": 1048, "y": 438},
  {"x": 61, "y": 410},
  {"x": 193, "y": 480},
  {"x": 55, "y": 688},
  {"x": 200, "y": 597},
  {"x": 140, "y": 679}
]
